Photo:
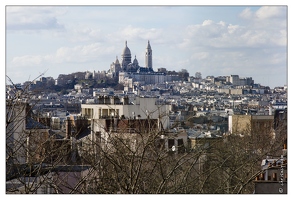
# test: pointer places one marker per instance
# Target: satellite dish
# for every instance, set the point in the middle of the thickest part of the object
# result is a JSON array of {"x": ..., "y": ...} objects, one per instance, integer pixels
[{"x": 173, "y": 148}]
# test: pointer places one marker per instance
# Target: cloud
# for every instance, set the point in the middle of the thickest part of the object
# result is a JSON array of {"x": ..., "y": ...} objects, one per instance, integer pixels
[
  {"x": 264, "y": 13},
  {"x": 137, "y": 33},
  {"x": 207, "y": 22},
  {"x": 222, "y": 35},
  {"x": 86, "y": 34},
  {"x": 270, "y": 12},
  {"x": 208, "y": 29},
  {"x": 200, "y": 56},
  {"x": 28, "y": 60},
  {"x": 233, "y": 28},
  {"x": 82, "y": 53},
  {"x": 246, "y": 14},
  {"x": 76, "y": 54},
  {"x": 211, "y": 34},
  {"x": 33, "y": 17},
  {"x": 266, "y": 17}
]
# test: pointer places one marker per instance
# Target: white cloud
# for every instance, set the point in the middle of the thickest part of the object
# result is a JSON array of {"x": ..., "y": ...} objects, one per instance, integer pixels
[
  {"x": 207, "y": 22},
  {"x": 28, "y": 60},
  {"x": 82, "y": 53},
  {"x": 281, "y": 38},
  {"x": 266, "y": 17},
  {"x": 270, "y": 12},
  {"x": 33, "y": 17},
  {"x": 76, "y": 54},
  {"x": 85, "y": 34},
  {"x": 246, "y": 13},
  {"x": 255, "y": 34},
  {"x": 264, "y": 13},
  {"x": 137, "y": 33},
  {"x": 232, "y": 28},
  {"x": 200, "y": 56},
  {"x": 277, "y": 59}
]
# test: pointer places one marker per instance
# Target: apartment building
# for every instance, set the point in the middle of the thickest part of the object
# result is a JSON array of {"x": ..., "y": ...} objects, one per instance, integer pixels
[
  {"x": 247, "y": 124},
  {"x": 125, "y": 108},
  {"x": 273, "y": 177},
  {"x": 111, "y": 116}
]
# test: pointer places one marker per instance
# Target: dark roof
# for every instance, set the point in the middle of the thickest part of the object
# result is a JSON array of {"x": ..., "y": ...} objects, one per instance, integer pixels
[
  {"x": 84, "y": 133},
  {"x": 57, "y": 136},
  {"x": 144, "y": 69},
  {"x": 33, "y": 124}
]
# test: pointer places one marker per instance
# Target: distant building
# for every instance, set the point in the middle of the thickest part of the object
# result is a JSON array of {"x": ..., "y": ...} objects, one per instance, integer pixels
[
  {"x": 64, "y": 79},
  {"x": 115, "y": 67},
  {"x": 235, "y": 80},
  {"x": 131, "y": 71}
]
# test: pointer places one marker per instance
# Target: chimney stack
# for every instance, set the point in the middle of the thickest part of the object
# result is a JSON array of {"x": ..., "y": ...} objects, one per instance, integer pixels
[{"x": 68, "y": 128}]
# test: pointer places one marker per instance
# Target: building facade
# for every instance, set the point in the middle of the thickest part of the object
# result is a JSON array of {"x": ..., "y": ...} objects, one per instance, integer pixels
[
  {"x": 248, "y": 124},
  {"x": 273, "y": 177},
  {"x": 111, "y": 117}
]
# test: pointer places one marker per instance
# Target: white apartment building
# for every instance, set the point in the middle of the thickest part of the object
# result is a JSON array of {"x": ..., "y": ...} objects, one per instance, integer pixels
[
  {"x": 140, "y": 108},
  {"x": 109, "y": 114}
]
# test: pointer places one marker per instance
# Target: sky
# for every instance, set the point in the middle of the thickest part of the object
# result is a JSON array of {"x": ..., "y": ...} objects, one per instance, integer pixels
[{"x": 223, "y": 40}]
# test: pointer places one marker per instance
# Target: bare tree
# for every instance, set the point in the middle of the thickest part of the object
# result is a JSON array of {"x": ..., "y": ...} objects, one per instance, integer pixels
[{"x": 128, "y": 156}]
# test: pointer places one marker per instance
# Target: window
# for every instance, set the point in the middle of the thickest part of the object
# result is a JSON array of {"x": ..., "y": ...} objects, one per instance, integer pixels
[{"x": 181, "y": 148}]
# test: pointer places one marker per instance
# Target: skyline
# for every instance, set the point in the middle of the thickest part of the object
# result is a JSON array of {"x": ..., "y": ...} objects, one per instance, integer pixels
[{"x": 249, "y": 41}]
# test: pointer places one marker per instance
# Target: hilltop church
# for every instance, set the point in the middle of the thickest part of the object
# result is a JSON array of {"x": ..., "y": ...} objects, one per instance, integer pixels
[{"x": 130, "y": 72}]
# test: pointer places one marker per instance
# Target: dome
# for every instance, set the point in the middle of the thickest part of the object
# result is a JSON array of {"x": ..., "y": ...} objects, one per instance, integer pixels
[
  {"x": 126, "y": 50},
  {"x": 135, "y": 62}
]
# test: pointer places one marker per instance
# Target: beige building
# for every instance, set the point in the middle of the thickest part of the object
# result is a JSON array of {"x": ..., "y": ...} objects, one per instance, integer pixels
[
  {"x": 23, "y": 134},
  {"x": 246, "y": 124}
]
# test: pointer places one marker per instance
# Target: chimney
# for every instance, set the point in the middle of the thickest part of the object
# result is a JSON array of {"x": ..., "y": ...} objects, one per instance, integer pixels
[
  {"x": 68, "y": 128},
  {"x": 106, "y": 100},
  {"x": 116, "y": 100},
  {"x": 125, "y": 100},
  {"x": 112, "y": 100},
  {"x": 101, "y": 99},
  {"x": 73, "y": 149},
  {"x": 274, "y": 176}
]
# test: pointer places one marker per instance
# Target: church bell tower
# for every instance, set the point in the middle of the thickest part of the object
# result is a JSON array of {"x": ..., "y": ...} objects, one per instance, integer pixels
[{"x": 148, "y": 57}]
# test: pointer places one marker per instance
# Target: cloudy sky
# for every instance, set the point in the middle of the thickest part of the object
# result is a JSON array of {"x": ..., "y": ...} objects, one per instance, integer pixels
[{"x": 250, "y": 41}]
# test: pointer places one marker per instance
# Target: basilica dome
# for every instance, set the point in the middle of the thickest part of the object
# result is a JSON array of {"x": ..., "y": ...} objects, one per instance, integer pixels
[
  {"x": 126, "y": 50},
  {"x": 135, "y": 62}
]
